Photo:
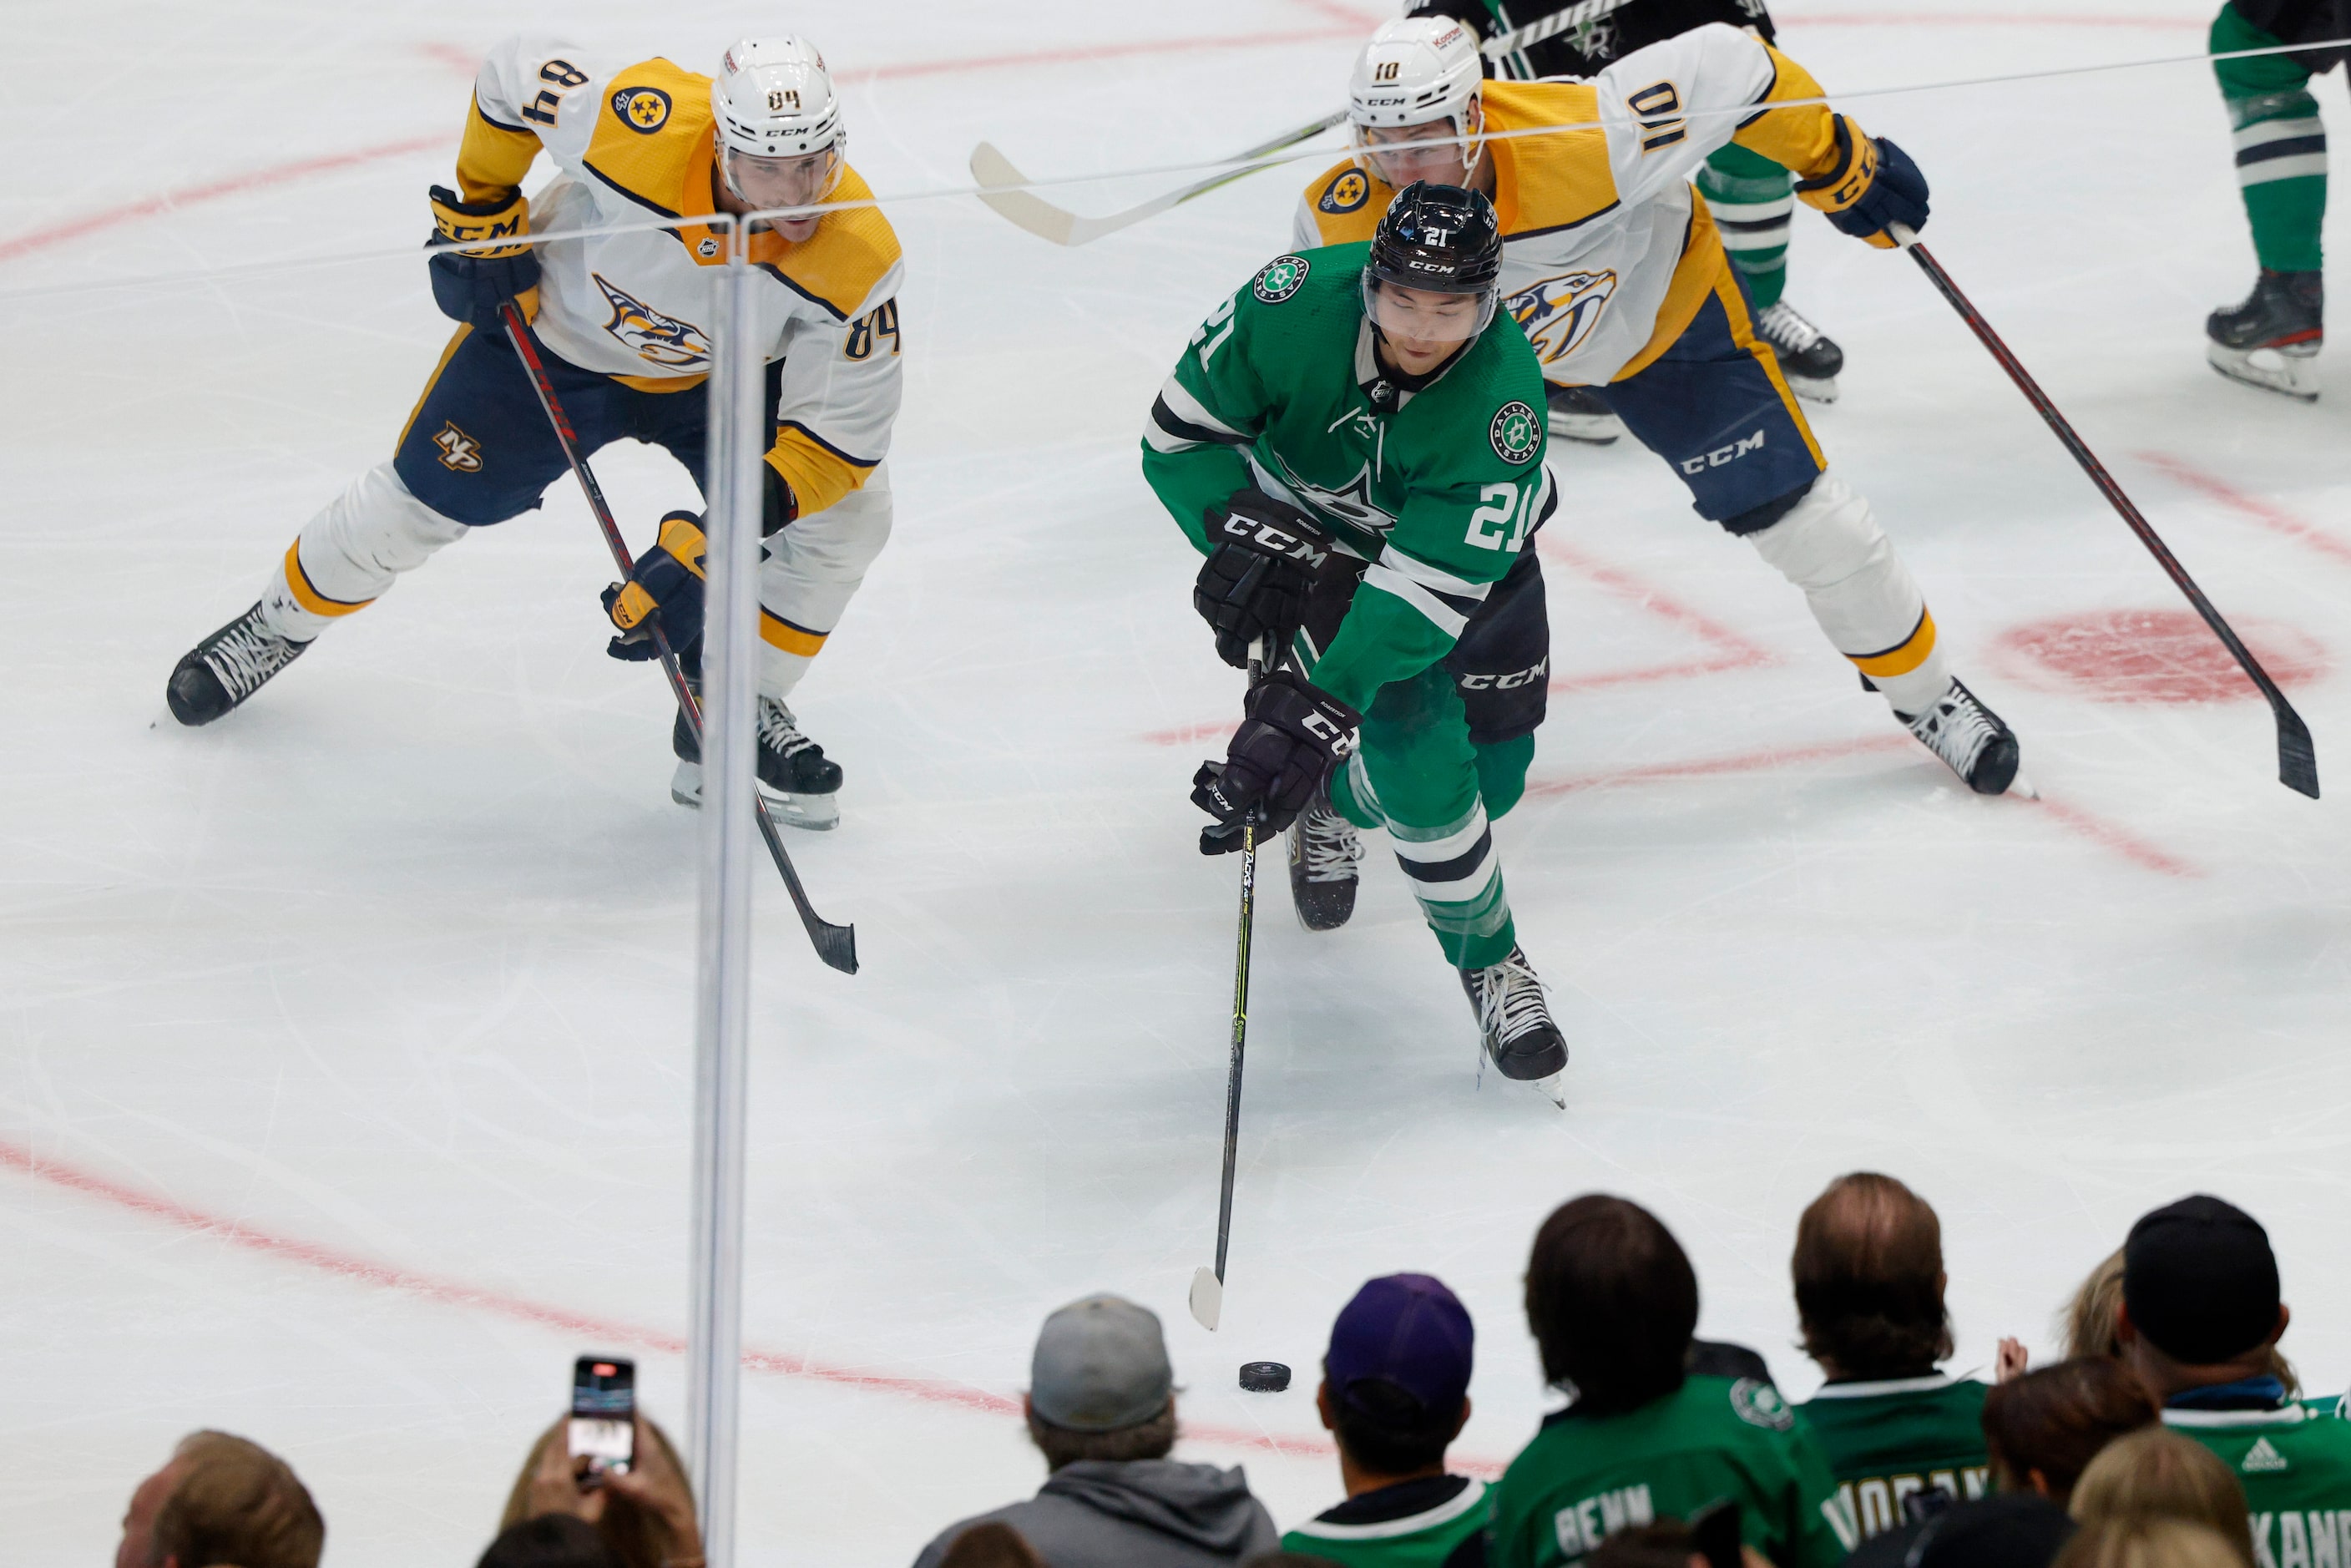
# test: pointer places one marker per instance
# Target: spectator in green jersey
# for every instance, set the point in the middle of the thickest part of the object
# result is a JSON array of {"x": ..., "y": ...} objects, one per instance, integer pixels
[
  {"x": 1102, "y": 1409},
  {"x": 1869, "y": 1275},
  {"x": 2156, "y": 1473},
  {"x": 2043, "y": 1429},
  {"x": 1395, "y": 1393},
  {"x": 2201, "y": 1315},
  {"x": 1612, "y": 1302}
]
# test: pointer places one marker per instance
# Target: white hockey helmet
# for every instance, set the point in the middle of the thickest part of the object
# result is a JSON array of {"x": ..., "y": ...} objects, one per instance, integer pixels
[
  {"x": 1418, "y": 70},
  {"x": 774, "y": 98}
]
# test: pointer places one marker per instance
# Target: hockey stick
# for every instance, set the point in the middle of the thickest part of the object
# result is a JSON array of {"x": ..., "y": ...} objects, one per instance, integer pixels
[
  {"x": 2297, "y": 759},
  {"x": 1208, "y": 1296},
  {"x": 1550, "y": 26},
  {"x": 836, "y": 944},
  {"x": 1027, "y": 210}
]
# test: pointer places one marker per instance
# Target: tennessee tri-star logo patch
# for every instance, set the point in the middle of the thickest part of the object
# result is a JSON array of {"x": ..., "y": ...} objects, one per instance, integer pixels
[
  {"x": 459, "y": 451},
  {"x": 644, "y": 110},
  {"x": 1346, "y": 193},
  {"x": 1515, "y": 433},
  {"x": 1283, "y": 277}
]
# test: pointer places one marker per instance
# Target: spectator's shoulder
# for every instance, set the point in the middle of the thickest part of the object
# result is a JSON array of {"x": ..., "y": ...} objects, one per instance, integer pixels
[
  {"x": 1009, "y": 1514},
  {"x": 1721, "y": 1358}
]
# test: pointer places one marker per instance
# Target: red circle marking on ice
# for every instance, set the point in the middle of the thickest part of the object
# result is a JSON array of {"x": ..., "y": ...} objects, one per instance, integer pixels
[{"x": 2160, "y": 655}]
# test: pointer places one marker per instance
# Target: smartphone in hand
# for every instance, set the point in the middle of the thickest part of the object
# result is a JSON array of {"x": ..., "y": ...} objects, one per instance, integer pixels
[
  {"x": 1714, "y": 1533},
  {"x": 604, "y": 1426}
]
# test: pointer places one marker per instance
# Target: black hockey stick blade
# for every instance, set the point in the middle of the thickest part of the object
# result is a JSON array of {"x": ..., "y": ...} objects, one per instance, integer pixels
[
  {"x": 2297, "y": 757},
  {"x": 835, "y": 945}
]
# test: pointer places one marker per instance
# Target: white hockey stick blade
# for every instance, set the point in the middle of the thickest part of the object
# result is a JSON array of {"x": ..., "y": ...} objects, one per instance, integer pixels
[
  {"x": 1207, "y": 1297},
  {"x": 1025, "y": 209}
]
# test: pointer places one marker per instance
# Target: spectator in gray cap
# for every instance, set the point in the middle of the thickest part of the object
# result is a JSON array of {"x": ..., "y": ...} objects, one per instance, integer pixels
[{"x": 1102, "y": 1409}]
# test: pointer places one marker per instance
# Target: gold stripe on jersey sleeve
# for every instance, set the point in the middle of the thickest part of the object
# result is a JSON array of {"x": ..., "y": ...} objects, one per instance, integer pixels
[
  {"x": 818, "y": 473},
  {"x": 493, "y": 158},
  {"x": 1347, "y": 203},
  {"x": 1553, "y": 182},
  {"x": 652, "y": 138},
  {"x": 839, "y": 266},
  {"x": 1802, "y": 138}
]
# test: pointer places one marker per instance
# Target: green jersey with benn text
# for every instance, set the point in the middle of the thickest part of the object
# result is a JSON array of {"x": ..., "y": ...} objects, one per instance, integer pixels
[
  {"x": 1437, "y": 484},
  {"x": 1584, "y": 1478},
  {"x": 1888, "y": 1438}
]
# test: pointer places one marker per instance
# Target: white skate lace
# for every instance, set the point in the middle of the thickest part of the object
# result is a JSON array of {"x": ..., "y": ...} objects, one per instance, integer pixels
[
  {"x": 1786, "y": 329},
  {"x": 1956, "y": 728},
  {"x": 780, "y": 732},
  {"x": 1333, "y": 849},
  {"x": 245, "y": 656},
  {"x": 1511, "y": 999}
]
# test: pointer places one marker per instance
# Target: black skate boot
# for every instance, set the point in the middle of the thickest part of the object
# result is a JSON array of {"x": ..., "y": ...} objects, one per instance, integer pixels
[
  {"x": 1521, "y": 1040},
  {"x": 1324, "y": 853},
  {"x": 2271, "y": 340},
  {"x": 1970, "y": 738},
  {"x": 1809, "y": 358},
  {"x": 799, "y": 783},
  {"x": 227, "y": 667},
  {"x": 1579, "y": 414}
]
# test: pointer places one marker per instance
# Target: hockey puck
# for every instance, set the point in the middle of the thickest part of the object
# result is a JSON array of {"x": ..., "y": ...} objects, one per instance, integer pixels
[{"x": 1264, "y": 1377}]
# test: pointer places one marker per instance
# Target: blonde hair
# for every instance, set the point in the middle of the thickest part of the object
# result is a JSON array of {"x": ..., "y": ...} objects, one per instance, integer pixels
[
  {"x": 2093, "y": 1322},
  {"x": 639, "y": 1535},
  {"x": 235, "y": 1501},
  {"x": 2159, "y": 1474},
  {"x": 2151, "y": 1543}
]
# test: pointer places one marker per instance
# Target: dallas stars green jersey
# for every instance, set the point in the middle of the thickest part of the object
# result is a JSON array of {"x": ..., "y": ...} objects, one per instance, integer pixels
[
  {"x": 1432, "y": 1524},
  {"x": 2295, "y": 1464},
  {"x": 1888, "y": 1439},
  {"x": 1439, "y": 486},
  {"x": 1583, "y": 1478}
]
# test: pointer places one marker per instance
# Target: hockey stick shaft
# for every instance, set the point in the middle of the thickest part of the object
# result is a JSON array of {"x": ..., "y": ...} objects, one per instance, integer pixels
[
  {"x": 2297, "y": 757},
  {"x": 1026, "y": 209},
  {"x": 835, "y": 945},
  {"x": 1550, "y": 26}
]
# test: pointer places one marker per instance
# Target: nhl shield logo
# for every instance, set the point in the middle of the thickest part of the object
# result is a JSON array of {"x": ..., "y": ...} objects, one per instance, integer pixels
[
  {"x": 1515, "y": 433},
  {"x": 644, "y": 110},
  {"x": 1346, "y": 193},
  {"x": 1283, "y": 277}
]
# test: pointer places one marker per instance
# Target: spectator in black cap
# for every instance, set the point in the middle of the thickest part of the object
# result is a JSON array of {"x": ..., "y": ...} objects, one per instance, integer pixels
[
  {"x": 2200, "y": 1322},
  {"x": 1102, "y": 1409},
  {"x": 1395, "y": 1393}
]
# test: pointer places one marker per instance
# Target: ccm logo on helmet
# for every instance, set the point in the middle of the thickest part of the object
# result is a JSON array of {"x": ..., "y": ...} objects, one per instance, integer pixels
[
  {"x": 1509, "y": 683},
  {"x": 1722, "y": 454}
]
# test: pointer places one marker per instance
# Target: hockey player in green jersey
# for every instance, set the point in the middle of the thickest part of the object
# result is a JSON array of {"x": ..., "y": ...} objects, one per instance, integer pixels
[
  {"x": 2200, "y": 1314},
  {"x": 1868, "y": 1269},
  {"x": 1612, "y": 1303},
  {"x": 1355, "y": 442}
]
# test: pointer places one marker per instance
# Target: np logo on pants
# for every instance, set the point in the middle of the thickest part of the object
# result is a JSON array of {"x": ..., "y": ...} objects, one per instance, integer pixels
[{"x": 1722, "y": 454}]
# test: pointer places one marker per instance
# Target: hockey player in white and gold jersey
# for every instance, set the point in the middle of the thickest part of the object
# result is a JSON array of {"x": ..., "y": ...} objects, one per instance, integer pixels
[
  {"x": 1613, "y": 266},
  {"x": 623, "y": 319}
]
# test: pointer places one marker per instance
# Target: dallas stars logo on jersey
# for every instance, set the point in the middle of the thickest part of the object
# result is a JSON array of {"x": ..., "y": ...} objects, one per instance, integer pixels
[
  {"x": 1515, "y": 431},
  {"x": 1281, "y": 278}
]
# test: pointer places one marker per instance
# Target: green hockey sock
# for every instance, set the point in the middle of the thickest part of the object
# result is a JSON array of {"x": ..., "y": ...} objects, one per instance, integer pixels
[
  {"x": 2281, "y": 145},
  {"x": 1751, "y": 199},
  {"x": 1502, "y": 773}
]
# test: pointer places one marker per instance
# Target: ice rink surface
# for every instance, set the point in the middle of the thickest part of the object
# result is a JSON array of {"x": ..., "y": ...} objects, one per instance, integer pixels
[{"x": 346, "y": 1041}]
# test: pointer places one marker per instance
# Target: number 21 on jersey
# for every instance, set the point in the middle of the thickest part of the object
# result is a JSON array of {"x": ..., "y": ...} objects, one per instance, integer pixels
[{"x": 1504, "y": 510}]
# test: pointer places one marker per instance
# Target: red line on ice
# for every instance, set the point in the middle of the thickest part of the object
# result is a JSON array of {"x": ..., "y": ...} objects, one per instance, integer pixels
[
  {"x": 2276, "y": 518},
  {"x": 1627, "y": 587},
  {"x": 579, "y": 1325}
]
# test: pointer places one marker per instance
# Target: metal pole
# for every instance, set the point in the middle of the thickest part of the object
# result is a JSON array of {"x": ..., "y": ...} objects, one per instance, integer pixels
[{"x": 722, "y": 1002}]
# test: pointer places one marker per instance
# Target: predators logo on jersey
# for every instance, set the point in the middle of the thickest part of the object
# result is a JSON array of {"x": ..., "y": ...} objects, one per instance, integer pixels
[
  {"x": 660, "y": 339},
  {"x": 1346, "y": 193},
  {"x": 644, "y": 110},
  {"x": 1558, "y": 313}
]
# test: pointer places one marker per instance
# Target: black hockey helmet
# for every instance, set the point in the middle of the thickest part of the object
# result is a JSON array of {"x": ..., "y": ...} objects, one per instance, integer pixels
[{"x": 1440, "y": 239}]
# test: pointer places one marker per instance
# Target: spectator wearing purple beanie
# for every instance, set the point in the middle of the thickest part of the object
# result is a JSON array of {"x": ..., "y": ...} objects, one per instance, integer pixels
[{"x": 1395, "y": 1393}]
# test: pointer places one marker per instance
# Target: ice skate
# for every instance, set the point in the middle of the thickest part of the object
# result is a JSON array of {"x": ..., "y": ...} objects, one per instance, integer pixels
[
  {"x": 1809, "y": 358},
  {"x": 2270, "y": 340},
  {"x": 1970, "y": 738},
  {"x": 1325, "y": 852},
  {"x": 1514, "y": 1018},
  {"x": 1579, "y": 414},
  {"x": 799, "y": 783},
  {"x": 227, "y": 667}
]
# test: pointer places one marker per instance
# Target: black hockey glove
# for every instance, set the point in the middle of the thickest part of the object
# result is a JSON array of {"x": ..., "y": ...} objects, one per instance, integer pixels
[
  {"x": 472, "y": 285},
  {"x": 778, "y": 506},
  {"x": 1260, "y": 568},
  {"x": 1293, "y": 735},
  {"x": 1873, "y": 186},
  {"x": 665, "y": 587}
]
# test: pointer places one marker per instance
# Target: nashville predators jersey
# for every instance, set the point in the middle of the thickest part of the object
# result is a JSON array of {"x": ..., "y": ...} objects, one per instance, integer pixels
[
  {"x": 1607, "y": 253},
  {"x": 638, "y": 144}
]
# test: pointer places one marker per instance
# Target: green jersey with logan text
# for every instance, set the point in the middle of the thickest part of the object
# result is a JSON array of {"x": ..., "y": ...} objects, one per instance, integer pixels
[{"x": 1438, "y": 486}]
